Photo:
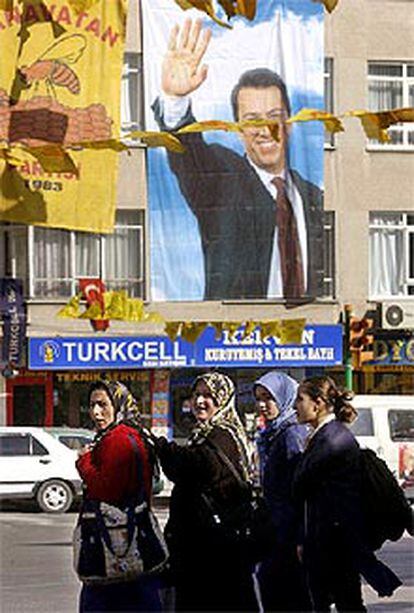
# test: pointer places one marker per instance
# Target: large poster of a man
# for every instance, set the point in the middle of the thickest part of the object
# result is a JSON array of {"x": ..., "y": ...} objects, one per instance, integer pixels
[{"x": 237, "y": 216}]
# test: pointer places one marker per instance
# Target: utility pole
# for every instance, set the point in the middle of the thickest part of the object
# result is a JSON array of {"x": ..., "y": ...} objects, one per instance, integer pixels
[{"x": 347, "y": 348}]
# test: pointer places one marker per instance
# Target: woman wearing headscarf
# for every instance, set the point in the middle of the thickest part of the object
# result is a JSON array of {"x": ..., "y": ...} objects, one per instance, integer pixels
[
  {"x": 280, "y": 444},
  {"x": 207, "y": 572},
  {"x": 109, "y": 469}
]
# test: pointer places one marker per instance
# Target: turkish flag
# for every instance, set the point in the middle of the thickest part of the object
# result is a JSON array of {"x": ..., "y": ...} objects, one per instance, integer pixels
[{"x": 93, "y": 290}]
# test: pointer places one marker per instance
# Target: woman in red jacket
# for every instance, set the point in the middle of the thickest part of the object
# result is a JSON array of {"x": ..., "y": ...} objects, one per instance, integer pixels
[{"x": 109, "y": 470}]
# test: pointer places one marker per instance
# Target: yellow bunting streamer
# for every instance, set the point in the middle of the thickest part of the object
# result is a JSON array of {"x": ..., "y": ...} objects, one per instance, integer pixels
[
  {"x": 376, "y": 124},
  {"x": 291, "y": 331},
  {"x": 71, "y": 309},
  {"x": 328, "y": 4},
  {"x": 117, "y": 306},
  {"x": 202, "y": 5},
  {"x": 158, "y": 139},
  {"x": 287, "y": 332},
  {"x": 190, "y": 331},
  {"x": 332, "y": 123},
  {"x": 270, "y": 328},
  {"x": 173, "y": 329}
]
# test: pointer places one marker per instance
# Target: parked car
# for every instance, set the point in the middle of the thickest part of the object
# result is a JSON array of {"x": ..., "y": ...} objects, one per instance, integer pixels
[
  {"x": 39, "y": 464},
  {"x": 74, "y": 438},
  {"x": 386, "y": 425},
  {"x": 35, "y": 465}
]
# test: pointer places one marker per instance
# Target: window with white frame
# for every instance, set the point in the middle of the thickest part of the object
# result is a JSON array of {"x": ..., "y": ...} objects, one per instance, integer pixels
[
  {"x": 328, "y": 97},
  {"x": 391, "y": 265},
  {"x": 329, "y": 254},
  {"x": 391, "y": 86},
  {"x": 52, "y": 261},
  {"x": 131, "y": 93}
]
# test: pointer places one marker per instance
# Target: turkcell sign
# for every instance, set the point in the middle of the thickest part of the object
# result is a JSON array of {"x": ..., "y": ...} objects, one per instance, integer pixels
[{"x": 321, "y": 346}]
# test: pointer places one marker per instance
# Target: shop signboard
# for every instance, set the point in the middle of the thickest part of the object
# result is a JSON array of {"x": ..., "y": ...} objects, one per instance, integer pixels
[{"x": 321, "y": 346}]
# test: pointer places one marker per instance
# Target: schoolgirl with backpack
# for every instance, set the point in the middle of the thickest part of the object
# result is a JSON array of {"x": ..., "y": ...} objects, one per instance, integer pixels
[{"x": 331, "y": 482}]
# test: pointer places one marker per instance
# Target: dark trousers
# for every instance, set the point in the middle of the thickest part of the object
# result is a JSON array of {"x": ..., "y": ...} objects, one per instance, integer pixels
[
  {"x": 333, "y": 577},
  {"x": 215, "y": 591},
  {"x": 141, "y": 595},
  {"x": 282, "y": 582}
]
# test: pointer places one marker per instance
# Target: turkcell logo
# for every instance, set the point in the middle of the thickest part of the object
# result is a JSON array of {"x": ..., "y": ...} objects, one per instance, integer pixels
[{"x": 116, "y": 352}]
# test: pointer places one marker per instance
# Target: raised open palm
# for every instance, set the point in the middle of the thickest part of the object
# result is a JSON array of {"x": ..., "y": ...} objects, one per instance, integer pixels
[{"x": 182, "y": 71}]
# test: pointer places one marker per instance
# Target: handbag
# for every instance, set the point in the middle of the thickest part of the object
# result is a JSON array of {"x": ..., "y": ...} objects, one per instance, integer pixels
[
  {"x": 116, "y": 545},
  {"x": 248, "y": 526}
]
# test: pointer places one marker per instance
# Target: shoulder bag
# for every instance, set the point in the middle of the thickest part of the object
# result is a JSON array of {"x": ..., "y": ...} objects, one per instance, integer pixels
[
  {"x": 115, "y": 545},
  {"x": 248, "y": 526}
]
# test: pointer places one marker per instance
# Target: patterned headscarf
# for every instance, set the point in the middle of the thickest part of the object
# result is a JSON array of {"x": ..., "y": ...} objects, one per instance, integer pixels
[
  {"x": 222, "y": 390},
  {"x": 125, "y": 404}
]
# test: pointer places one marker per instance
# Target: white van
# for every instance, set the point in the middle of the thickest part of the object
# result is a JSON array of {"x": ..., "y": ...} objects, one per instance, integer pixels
[{"x": 386, "y": 425}]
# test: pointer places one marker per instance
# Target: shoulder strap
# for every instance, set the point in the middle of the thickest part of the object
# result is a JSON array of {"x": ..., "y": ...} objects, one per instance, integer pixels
[
  {"x": 225, "y": 460},
  {"x": 141, "y": 494}
]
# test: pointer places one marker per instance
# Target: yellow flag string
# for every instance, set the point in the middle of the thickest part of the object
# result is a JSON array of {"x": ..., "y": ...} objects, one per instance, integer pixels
[
  {"x": 55, "y": 158},
  {"x": 118, "y": 306}
]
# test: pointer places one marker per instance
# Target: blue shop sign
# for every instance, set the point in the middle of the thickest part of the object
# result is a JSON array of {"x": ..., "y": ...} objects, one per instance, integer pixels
[{"x": 321, "y": 346}]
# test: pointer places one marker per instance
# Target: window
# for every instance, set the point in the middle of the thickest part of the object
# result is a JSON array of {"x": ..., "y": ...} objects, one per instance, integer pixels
[
  {"x": 390, "y": 86},
  {"x": 363, "y": 425},
  {"x": 59, "y": 258},
  {"x": 329, "y": 254},
  {"x": 14, "y": 444},
  {"x": 38, "y": 448},
  {"x": 131, "y": 93},
  {"x": 401, "y": 425},
  {"x": 391, "y": 254},
  {"x": 329, "y": 97}
]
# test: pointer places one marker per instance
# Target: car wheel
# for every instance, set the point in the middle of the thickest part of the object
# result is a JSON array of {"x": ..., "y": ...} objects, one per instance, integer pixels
[{"x": 54, "y": 496}]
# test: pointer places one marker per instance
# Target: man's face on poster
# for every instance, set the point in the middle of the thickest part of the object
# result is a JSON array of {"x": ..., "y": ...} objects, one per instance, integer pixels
[{"x": 262, "y": 149}]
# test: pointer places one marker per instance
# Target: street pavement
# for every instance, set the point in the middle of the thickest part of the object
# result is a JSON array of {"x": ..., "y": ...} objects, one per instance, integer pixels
[{"x": 37, "y": 574}]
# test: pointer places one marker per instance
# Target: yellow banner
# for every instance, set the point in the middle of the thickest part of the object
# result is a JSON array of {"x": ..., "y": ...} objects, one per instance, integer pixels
[{"x": 60, "y": 84}]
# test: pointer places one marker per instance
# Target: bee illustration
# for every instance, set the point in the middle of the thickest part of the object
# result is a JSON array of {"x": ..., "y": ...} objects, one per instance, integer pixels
[{"x": 52, "y": 66}]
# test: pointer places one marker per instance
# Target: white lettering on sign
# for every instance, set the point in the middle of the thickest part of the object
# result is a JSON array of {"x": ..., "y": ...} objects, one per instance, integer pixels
[{"x": 151, "y": 352}]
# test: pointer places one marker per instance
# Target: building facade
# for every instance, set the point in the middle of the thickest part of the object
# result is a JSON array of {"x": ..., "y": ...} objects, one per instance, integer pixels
[{"x": 369, "y": 242}]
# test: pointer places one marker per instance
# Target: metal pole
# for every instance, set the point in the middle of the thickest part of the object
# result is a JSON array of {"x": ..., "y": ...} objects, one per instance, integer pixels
[{"x": 347, "y": 349}]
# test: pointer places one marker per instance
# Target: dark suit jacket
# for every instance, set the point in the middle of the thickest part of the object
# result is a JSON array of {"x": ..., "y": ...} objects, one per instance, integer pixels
[
  {"x": 236, "y": 217},
  {"x": 328, "y": 480}
]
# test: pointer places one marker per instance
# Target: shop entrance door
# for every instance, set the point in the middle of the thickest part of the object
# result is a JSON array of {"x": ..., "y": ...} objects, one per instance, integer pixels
[{"x": 30, "y": 401}]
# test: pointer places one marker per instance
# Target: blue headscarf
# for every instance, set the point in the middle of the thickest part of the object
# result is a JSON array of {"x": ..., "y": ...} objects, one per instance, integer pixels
[{"x": 283, "y": 389}]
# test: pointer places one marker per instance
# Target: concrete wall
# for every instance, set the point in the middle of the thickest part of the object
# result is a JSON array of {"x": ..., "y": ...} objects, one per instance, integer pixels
[{"x": 356, "y": 180}]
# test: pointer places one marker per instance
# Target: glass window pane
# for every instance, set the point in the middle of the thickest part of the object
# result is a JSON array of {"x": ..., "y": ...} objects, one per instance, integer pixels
[
  {"x": 38, "y": 448},
  {"x": 411, "y": 255},
  {"x": 87, "y": 251},
  {"x": 384, "y": 95},
  {"x": 131, "y": 92},
  {"x": 124, "y": 253},
  {"x": 51, "y": 263},
  {"x": 410, "y": 70},
  {"x": 14, "y": 444},
  {"x": 401, "y": 425},
  {"x": 363, "y": 425},
  {"x": 380, "y": 218},
  {"x": 385, "y": 70}
]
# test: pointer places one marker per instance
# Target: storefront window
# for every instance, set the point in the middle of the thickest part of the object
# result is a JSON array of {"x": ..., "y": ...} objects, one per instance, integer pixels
[{"x": 71, "y": 395}]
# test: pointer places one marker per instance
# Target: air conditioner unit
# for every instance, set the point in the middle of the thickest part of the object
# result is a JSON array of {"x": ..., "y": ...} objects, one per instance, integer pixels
[{"x": 397, "y": 315}]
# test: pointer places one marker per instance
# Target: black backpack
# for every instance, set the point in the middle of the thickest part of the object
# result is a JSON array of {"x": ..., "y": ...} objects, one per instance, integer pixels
[{"x": 386, "y": 509}]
